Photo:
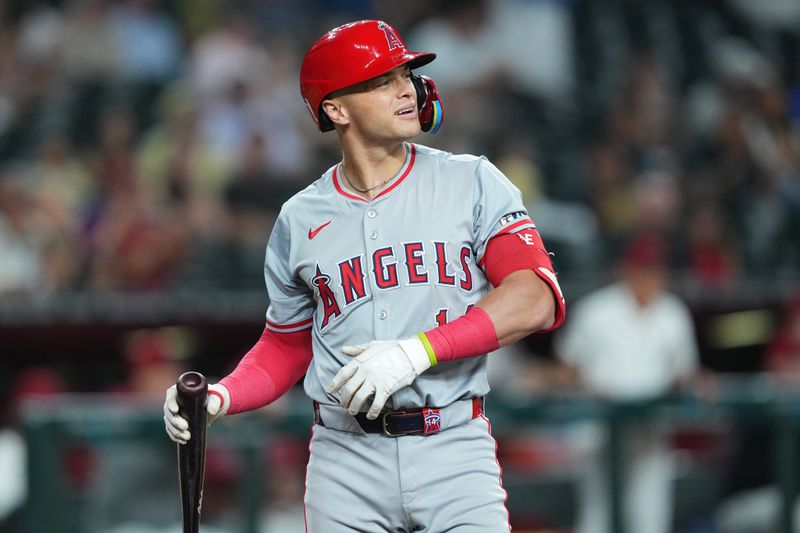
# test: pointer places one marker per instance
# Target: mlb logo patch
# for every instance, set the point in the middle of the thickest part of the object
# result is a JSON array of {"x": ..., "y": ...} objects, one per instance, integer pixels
[
  {"x": 432, "y": 420},
  {"x": 511, "y": 217}
]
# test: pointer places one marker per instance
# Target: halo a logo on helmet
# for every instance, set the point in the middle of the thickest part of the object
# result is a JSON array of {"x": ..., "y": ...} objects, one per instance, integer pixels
[{"x": 391, "y": 37}]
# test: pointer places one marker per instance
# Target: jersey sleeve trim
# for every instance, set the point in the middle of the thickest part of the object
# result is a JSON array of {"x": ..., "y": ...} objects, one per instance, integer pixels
[
  {"x": 516, "y": 225},
  {"x": 291, "y": 327}
]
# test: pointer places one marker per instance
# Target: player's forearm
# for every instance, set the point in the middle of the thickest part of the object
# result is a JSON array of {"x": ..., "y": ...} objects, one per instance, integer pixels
[
  {"x": 271, "y": 367},
  {"x": 522, "y": 304}
]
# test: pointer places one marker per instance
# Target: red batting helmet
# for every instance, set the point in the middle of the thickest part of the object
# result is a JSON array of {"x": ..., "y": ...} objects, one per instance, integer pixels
[{"x": 350, "y": 54}]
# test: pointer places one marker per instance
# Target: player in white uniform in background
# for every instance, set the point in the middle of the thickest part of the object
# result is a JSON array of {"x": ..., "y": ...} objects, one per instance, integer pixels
[
  {"x": 389, "y": 280},
  {"x": 631, "y": 340}
]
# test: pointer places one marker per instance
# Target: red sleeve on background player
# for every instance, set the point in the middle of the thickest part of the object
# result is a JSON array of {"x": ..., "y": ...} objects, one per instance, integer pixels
[
  {"x": 268, "y": 370},
  {"x": 523, "y": 250}
]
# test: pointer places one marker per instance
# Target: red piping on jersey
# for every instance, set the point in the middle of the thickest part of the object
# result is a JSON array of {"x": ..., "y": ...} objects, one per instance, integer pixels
[
  {"x": 305, "y": 493},
  {"x": 305, "y": 322},
  {"x": 500, "y": 477},
  {"x": 341, "y": 190}
]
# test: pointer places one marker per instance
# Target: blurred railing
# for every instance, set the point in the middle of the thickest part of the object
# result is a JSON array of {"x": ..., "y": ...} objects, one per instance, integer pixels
[
  {"x": 156, "y": 308},
  {"x": 53, "y": 424},
  {"x": 231, "y": 306}
]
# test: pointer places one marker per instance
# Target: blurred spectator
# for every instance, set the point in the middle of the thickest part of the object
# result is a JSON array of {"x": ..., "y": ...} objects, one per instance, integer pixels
[
  {"x": 36, "y": 249},
  {"x": 488, "y": 35},
  {"x": 90, "y": 65},
  {"x": 281, "y": 118},
  {"x": 30, "y": 78},
  {"x": 29, "y": 384},
  {"x": 229, "y": 120},
  {"x": 570, "y": 227},
  {"x": 153, "y": 358},
  {"x": 711, "y": 258},
  {"x": 610, "y": 191},
  {"x": 284, "y": 511},
  {"x": 752, "y": 497},
  {"x": 184, "y": 177},
  {"x": 61, "y": 181},
  {"x": 227, "y": 55},
  {"x": 630, "y": 341},
  {"x": 464, "y": 33},
  {"x": 133, "y": 244},
  {"x": 254, "y": 198},
  {"x": 150, "y": 50},
  {"x": 179, "y": 167},
  {"x": 783, "y": 352},
  {"x": 658, "y": 202}
]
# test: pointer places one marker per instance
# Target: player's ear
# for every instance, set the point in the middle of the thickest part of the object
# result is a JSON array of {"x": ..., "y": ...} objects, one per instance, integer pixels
[{"x": 336, "y": 112}]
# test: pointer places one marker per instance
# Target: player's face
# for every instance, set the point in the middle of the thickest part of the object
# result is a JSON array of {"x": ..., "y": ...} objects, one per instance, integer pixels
[
  {"x": 383, "y": 108},
  {"x": 646, "y": 283}
]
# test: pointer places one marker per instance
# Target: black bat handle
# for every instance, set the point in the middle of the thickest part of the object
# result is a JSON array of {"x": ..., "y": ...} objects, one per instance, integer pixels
[{"x": 192, "y": 398}]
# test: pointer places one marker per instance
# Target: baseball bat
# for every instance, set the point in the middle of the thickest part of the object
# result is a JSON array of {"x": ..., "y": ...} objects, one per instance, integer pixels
[{"x": 192, "y": 398}]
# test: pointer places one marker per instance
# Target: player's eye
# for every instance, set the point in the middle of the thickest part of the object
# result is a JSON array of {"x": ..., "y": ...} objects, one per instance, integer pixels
[{"x": 379, "y": 82}]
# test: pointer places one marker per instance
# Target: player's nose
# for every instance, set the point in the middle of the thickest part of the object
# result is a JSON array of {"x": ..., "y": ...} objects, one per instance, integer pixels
[{"x": 405, "y": 87}]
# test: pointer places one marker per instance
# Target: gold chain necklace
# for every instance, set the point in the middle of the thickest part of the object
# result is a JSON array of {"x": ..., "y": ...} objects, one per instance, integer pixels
[{"x": 363, "y": 191}]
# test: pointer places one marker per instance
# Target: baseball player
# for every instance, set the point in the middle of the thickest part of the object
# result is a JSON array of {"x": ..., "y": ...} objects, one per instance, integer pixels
[{"x": 389, "y": 280}]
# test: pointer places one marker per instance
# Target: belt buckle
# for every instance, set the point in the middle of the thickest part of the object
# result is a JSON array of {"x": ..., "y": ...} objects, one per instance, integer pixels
[{"x": 385, "y": 427}]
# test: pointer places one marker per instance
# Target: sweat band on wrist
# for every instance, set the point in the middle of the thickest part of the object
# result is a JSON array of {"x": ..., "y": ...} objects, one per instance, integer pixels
[
  {"x": 468, "y": 336},
  {"x": 220, "y": 396}
]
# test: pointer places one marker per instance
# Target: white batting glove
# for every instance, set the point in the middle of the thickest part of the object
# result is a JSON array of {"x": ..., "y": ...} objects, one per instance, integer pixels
[
  {"x": 177, "y": 426},
  {"x": 380, "y": 369}
]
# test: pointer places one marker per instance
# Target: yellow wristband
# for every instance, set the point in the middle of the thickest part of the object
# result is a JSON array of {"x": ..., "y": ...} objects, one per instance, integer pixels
[{"x": 428, "y": 348}]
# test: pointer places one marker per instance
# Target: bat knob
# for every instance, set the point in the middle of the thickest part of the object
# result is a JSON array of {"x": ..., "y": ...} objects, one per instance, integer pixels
[{"x": 192, "y": 384}]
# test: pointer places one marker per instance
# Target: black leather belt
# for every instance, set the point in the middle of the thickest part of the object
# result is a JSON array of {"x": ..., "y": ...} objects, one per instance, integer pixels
[{"x": 421, "y": 421}]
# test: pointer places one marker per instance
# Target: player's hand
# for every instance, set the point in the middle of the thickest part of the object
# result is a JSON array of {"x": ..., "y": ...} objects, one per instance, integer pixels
[
  {"x": 177, "y": 427},
  {"x": 380, "y": 369}
]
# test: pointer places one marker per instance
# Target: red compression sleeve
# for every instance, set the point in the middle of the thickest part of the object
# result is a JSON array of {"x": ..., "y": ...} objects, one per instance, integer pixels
[
  {"x": 268, "y": 370},
  {"x": 470, "y": 335},
  {"x": 523, "y": 250}
]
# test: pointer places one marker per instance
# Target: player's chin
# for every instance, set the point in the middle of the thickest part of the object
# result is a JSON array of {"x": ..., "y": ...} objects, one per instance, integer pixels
[{"x": 406, "y": 128}]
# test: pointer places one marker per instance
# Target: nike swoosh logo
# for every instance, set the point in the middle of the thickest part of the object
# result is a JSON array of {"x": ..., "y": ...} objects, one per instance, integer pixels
[{"x": 313, "y": 232}]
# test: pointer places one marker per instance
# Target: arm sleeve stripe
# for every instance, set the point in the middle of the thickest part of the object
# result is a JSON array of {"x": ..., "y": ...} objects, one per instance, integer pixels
[
  {"x": 295, "y": 326},
  {"x": 514, "y": 226}
]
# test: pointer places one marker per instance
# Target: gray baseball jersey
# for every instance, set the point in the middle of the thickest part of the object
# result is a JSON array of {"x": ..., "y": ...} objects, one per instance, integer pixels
[{"x": 357, "y": 270}]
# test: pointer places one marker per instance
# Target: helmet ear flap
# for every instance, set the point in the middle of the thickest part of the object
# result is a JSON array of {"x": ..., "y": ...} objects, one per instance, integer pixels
[{"x": 431, "y": 112}]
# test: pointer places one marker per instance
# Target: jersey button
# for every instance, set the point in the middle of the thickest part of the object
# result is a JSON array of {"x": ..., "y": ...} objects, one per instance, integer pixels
[
  {"x": 382, "y": 315},
  {"x": 373, "y": 235},
  {"x": 372, "y": 213}
]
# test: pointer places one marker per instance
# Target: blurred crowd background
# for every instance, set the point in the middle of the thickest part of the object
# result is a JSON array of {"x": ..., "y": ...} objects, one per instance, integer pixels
[
  {"x": 146, "y": 147},
  {"x": 147, "y": 144}
]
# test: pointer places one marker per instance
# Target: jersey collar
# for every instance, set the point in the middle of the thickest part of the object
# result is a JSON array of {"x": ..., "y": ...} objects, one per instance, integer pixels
[{"x": 401, "y": 176}]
